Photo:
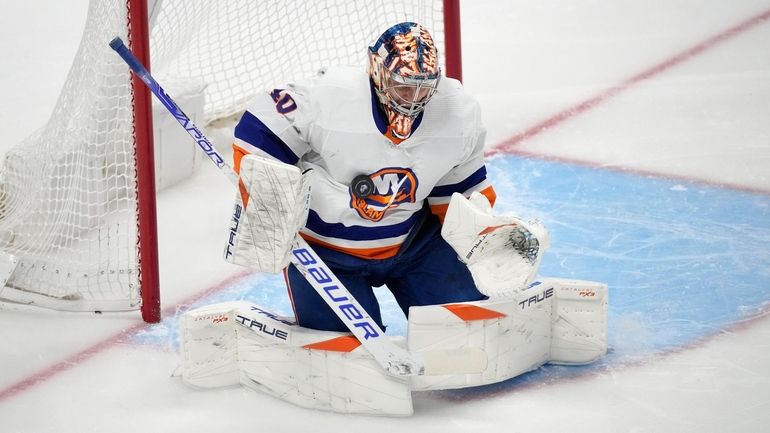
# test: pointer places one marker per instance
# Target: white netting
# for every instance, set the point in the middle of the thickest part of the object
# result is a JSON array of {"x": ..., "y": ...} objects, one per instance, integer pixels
[
  {"x": 67, "y": 199},
  {"x": 247, "y": 46},
  {"x": 67, "y": 193}
]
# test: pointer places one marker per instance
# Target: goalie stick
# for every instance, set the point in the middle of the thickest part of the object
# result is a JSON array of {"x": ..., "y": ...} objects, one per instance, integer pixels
[{"x": 393, "y": 359}]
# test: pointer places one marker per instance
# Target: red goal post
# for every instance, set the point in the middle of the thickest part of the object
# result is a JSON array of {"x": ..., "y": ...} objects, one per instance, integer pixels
[{"x": 77, "y": 199}]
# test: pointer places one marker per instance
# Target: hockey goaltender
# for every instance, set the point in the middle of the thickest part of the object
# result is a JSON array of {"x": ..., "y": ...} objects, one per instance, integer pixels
[{"x": 381, "y": 173}]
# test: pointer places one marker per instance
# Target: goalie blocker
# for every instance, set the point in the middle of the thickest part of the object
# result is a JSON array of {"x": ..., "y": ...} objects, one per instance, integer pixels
[{"x": 237, "y": 343}]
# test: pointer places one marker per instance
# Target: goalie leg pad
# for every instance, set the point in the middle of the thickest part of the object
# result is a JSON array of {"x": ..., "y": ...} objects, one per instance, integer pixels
[
  {"x": 315, "y": 369},
  {"x": 208, "y": 346},
  {"x": 555, "y": 320},
  {"x": 579, "y": 321},
  {"x": 514, "y": 334}
]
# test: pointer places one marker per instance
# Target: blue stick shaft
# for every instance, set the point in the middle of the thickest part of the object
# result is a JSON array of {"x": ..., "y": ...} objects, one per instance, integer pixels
[{"x": 200, "y": 139}]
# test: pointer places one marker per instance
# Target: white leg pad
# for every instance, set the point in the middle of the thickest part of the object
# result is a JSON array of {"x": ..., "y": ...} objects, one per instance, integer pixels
[
  {"x": 208, "y": 347},
  {"x": 554, "y": 320},
  {"x": 579, "y": 321},
  {"x": 315, "y": 369},
  {"x": 515, "y": 338}
]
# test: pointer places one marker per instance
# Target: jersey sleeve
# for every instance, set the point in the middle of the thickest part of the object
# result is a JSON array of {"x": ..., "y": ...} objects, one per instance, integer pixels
[
  {"x": 276, "y": 124},
  {"x": 468, "y": 176}
]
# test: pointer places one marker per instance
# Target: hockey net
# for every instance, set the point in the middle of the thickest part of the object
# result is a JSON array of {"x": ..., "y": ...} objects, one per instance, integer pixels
[{"x": 68, "y": 202}]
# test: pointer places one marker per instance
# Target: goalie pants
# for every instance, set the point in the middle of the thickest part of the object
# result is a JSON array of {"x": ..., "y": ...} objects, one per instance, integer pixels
[{"x": 426, "y": 271}]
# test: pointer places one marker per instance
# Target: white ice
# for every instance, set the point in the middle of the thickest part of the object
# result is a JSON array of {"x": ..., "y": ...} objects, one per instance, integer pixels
[{"x": 705, "y": 118}]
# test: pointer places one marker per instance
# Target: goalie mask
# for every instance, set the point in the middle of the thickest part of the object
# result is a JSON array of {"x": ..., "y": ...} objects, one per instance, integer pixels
[{"x": 403, "y": 66}]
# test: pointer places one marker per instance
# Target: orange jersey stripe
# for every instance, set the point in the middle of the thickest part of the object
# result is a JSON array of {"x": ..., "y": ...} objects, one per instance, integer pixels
[
  {"x": 470, "y": 313},
  {"x": 490, "y": 194},
  {"x": 345, "y": 343},
  {"x": 440, "y": 209},
  {"x": 364, "y": 253}
]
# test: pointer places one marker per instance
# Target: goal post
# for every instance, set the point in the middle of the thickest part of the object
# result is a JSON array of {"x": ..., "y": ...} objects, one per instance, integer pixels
[
  {"x": 78, "y": 221},
  {"x": 452, "y": 41},
  {"x": 147, "y": 242}
]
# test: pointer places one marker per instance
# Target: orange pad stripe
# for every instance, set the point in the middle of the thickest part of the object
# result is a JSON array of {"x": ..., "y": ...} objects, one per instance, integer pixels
[
  {"x": 346, "y": 343},
  {"x": 238, "y": 154},
  {"x": 470, "y": 313},
  {"x": 493, "y": 228}
]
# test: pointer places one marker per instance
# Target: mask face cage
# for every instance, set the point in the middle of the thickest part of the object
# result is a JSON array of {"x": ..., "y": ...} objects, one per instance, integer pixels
[
  {"x": 404, "y": 68},
  {"x": 408, "y": 95}
]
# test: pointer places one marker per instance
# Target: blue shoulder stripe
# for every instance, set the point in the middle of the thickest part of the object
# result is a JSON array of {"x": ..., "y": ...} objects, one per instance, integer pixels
[
  {"x": 251, "y": 130},
  {"x": 462, "y": 186},
  {"x": 360, "y": 233}
]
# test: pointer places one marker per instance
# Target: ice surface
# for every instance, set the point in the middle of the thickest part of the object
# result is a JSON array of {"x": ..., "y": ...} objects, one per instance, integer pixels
[{"x": 660, "y": 189}]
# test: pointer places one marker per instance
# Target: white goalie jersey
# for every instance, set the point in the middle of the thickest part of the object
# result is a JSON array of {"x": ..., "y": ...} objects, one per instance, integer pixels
[{"x": 333, "y": 125}]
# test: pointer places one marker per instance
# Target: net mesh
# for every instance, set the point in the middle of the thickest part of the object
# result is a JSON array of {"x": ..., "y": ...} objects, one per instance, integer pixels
[{"x": 68, "y": 209}]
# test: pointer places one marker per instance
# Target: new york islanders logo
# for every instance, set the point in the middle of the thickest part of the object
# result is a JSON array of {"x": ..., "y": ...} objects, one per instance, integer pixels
[{"x": 392, "y": 186}]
